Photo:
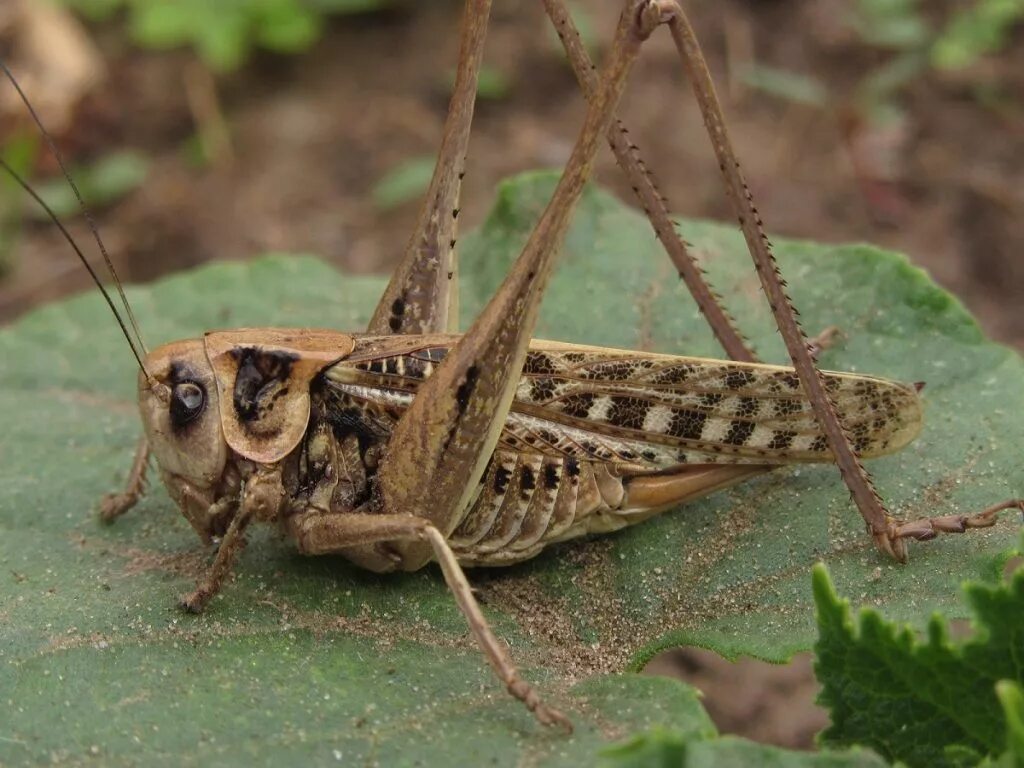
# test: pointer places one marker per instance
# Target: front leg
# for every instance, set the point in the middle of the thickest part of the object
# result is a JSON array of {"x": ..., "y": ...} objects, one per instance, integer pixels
[
  {"x": 317, "y": 533},
  {"x": 210, "y": 584},
  {"x": 262, "y": 498},
  {"x": 113, "y": 505}
]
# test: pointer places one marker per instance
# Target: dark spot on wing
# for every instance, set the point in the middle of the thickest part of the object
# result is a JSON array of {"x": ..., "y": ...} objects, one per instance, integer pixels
[
  {"x": 748, "y": 407},
  {"x": 739, "y": 432},
  {"x": 538, "y": 363},
  {"x": 738, "y": 379},
  {"x": 674, "y": 374},
  {"x": 782, "y": 440},
  {"x": 578, "y": 405},
  {"x": 788, "y": 407},
  {"x": 542, "y": 389},
  {"x": 687, "y": 424},
  {"x": 627, "y": 412}
]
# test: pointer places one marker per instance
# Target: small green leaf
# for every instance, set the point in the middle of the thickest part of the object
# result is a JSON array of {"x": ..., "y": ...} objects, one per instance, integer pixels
[
  {"x": 223, "y": 33},
  {"x": 656, "y": 748},
  {"x": 1011, "y": 696},
  {"x": 162, "y": 23},
  {"x": 926, "y": 703},
  {"x": 287, "y": 27},
  {"x": 103, "y": 183},
  {"x": 404, "y": 183},
  {"x": 984, "y": 27},
  {"x": 97, "y": 10},
  {"x": 896, "y": 24},
  {"x": 492, "y": 83},
  {"x": 349, "y": 6},
  {"x": 784, "y": 84},
  {"x": 667, "y": 748}
]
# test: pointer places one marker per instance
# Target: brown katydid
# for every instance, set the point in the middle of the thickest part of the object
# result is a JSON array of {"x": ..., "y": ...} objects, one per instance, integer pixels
[{"x": 409, "y": 443}]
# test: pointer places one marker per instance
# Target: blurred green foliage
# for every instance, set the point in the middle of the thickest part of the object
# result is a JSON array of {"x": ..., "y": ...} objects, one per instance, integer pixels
[
  {"x": 976, "y": 28},
  {"x": 19, "y": 152},
  {"x": 916, "y": 44},
  {"x": 224, "y": 32},
  {"x": 101, "y": 183},
  {"x": 982, "y": 28},
  {"x": 403, "y": 183}
]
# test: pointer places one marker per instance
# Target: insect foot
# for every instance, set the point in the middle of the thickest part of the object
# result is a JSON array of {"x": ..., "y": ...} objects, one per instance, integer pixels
[
  {"x": 547, "y": 715},
  {"x": 893, "y": 540},
  {"x": 195, "y": 601}
]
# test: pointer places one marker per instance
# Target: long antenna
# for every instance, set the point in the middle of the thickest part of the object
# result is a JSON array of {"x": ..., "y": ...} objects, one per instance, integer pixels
[
  {"x": 85, "y": 211},
  {"x": 67, "y": 236}
]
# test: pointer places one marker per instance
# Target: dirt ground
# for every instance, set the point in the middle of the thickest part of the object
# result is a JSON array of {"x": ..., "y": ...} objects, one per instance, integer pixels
[{"x": 311, "y": 135}]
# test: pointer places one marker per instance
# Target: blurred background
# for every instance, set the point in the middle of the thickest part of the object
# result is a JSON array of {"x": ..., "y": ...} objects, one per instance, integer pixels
[{"x": 202, "y": 130}]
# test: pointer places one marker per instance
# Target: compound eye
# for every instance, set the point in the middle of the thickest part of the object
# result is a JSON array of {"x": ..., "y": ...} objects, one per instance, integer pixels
[{"x": 187, "y": 401}]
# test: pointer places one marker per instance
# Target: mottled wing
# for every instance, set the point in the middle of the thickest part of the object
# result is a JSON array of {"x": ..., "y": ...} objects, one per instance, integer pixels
[{"x": 597, "y": 404}]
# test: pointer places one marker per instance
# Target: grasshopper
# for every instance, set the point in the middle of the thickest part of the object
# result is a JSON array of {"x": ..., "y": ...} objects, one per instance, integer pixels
[{"x": 410, "y": 443}]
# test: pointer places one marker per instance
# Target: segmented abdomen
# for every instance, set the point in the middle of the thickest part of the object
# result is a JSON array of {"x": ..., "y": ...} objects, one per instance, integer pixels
[{"x": 526, "y": 501}]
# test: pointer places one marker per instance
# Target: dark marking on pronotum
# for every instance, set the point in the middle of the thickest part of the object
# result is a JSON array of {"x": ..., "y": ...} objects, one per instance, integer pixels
[{"x": 260, "y": 378}]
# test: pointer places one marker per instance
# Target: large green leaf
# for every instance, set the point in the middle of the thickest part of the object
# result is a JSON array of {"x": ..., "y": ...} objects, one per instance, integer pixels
[
  {"x": 930, "y": 703},
  {"x": 313, "y": 658}
]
